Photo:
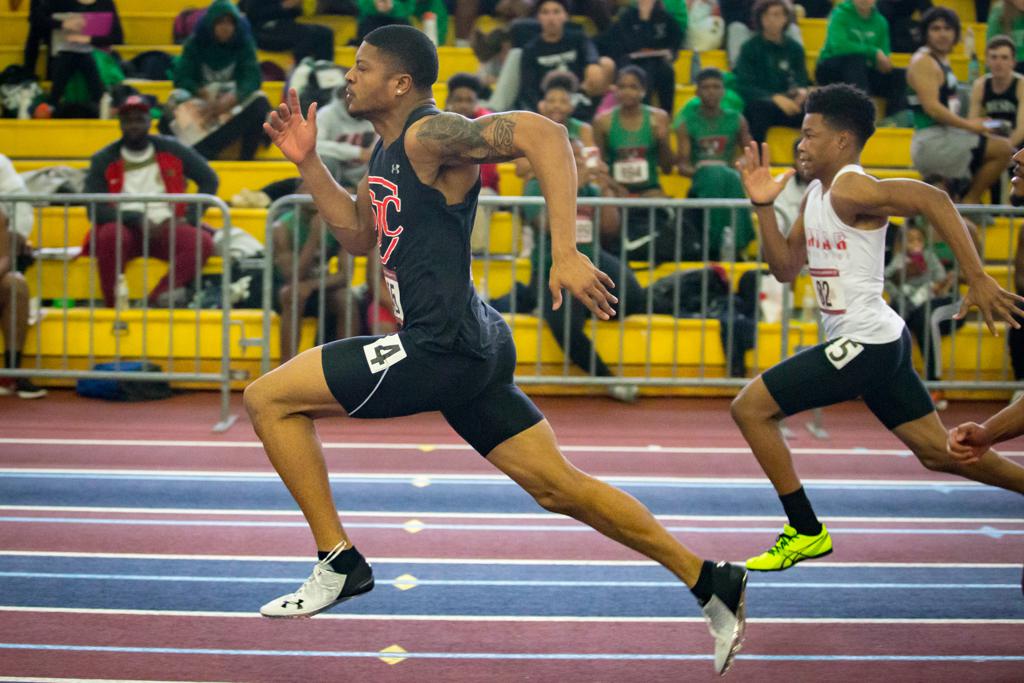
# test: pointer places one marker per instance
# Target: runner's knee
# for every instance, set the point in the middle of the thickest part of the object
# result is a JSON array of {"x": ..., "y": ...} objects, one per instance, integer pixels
[
  {"x": 258, "y": 401},
  {"x": 934, "y": 457}
]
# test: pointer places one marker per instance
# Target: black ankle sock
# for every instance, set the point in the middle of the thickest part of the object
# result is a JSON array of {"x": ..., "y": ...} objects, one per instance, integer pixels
[
  {"x": 344, "y": 562},
  {"x": 703, "y": 588},
  {"x": 801, "y": 514}
]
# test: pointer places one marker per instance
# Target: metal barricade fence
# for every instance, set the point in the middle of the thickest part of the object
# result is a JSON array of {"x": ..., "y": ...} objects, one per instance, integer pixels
[
  {"x": 122, "y": 332},
  {"x": 649, "y": 344}
]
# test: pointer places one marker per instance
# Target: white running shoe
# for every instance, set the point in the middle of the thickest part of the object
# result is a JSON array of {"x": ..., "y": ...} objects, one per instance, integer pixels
[
  {"x": 726, "y": 613},
  {"x": 324, "y": 589}
]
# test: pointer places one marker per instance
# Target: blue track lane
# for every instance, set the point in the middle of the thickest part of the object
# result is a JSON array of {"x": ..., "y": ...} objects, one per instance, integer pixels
[
  {"x": 504, "y": 590},
  {"x": 368, "y": 493}
]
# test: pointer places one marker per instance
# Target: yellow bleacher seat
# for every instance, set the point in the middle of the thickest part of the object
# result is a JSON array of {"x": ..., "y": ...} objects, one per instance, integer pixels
[
  {"x": 887, "y": 148},
  {"x": 813, "y": 33},
  {"x": 963, "y": 8}
]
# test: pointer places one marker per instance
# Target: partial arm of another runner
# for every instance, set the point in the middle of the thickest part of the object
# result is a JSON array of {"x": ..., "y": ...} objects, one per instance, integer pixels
[
  {"x": 351, "y": 222},
  {"x": 969, "y": 441},
  {"x": 856, "y": 197},
  {"x": 785, "y": 256},
  {"x": 450, "y": 140}
]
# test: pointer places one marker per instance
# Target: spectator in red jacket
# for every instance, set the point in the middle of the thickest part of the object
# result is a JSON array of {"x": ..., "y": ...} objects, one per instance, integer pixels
[{"x": 140, "y": 163}]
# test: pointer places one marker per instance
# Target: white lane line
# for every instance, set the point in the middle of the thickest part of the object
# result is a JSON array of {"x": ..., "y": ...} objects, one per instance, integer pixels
[
  {"x": 305, "y": 559},
  {"x": 225, "y": 512},
  {"x": 405, "y": 446},
  {"x": 457, "y": 479},
  {"x": 527, "y": 619}
]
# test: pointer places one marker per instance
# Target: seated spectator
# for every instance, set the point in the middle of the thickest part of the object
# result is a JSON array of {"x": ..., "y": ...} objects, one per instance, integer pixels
[
  {"x": 857, "y": 51},
  {"x": 945, "y": 143},
  {"x": 343, "y": 141},
  {"x": 303, "y": 246},
  {"x": 632, "y": 297},
  {"x": 788, "y": 203},
  {"x": 709, "y": 139},
  {"x": 1007, "y": 19},
  {"x": 914, "y": 277},
  {"x": 140, "y": 163},
  {"x": 376, "y": 13},
  {"x": 77, "y": 28},
  {"x": 738, "y": 17},
  {"x": 19, "y": 216},
  {"x": 557, "y": 49},
  {"x": 633, "y": 137},
  {"x": 771, "y": 72},
  {"x": 998, "y": 95},
  {"x": 559, "y": 87},
  {"x": 13, "y": 312},
  {"x": 275, "y": 28},
  {"x": 649, "y": 37},
  {"x": 904, "y": 33},
  {"x": 217, "y": 98},
  {"x": 464, "y": 98}
]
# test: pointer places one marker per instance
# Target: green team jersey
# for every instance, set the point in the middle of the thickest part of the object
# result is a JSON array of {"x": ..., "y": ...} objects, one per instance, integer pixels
[
  {"x": 712, "y": 139},
  {"x": 573, "y": 126},
  {"x": 633, "y": 154}
]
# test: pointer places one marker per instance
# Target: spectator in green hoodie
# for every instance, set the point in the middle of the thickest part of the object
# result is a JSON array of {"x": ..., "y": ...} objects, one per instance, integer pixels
[
  {"x": 217, "y": 98},
  {"x": 771, "y": 72},
  {"x": 376, "y": 13},
  {"x": 857, "y": 50}
]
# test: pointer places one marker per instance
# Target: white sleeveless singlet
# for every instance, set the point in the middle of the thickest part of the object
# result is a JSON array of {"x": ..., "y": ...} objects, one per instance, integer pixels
[{"x": 847, "y": 266}]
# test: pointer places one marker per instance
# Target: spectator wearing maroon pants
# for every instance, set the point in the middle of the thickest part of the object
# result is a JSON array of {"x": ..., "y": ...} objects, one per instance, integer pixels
[{"x": 140, "y": 163}]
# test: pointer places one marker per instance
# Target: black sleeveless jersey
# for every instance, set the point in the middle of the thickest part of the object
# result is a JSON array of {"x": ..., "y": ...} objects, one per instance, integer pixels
[
  {"x": 1001, "y": 106},
  {"x": 425, "y": 255}
]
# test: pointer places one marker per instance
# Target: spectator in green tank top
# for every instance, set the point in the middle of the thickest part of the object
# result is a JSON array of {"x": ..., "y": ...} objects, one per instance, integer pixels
[
  {"x": 709, "y": 139},
  {"x": 857, "y": 50},
  {"x": 634, "y": 138},
  {"x": 945, "y": 143},
  {"x": 303, "y": 246},
  {"x": 1007, "y": 19},
  {"x": 560, "y": 88}
]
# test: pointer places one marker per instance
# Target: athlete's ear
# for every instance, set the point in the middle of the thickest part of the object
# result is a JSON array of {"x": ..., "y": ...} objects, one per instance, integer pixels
[{"x": 403, "y": 85}]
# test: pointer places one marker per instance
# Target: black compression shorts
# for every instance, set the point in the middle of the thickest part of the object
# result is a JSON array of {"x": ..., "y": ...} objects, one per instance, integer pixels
[
  {"x": 378, "y": 377},
  {"x": 841, "y": 369}
]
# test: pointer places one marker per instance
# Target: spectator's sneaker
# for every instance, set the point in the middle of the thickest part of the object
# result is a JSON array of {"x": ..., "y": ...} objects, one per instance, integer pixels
[
  {"x": 7, "y": 386},
  {"x": 726, "y": 613},
  {"x": 323, "y": 590},
  {"x": 26, "y": 389},
  {"x": 790, "y": 548}
]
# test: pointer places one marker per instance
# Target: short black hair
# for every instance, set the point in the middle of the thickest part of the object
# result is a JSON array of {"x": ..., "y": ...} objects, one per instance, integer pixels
[
  {"x": 1001, "y": 41},
  {"x": 938, "y": 13},
  {"x": 411, "y": 50},
  {"x": 465, "y": 80},
  {"x": 541, "y": 3},
  {"x": 844, "y": 107},
  {"x": 634, "y": 71},
  {"x": 708, "y": 73},
  {"x": 560, "y": 80}
]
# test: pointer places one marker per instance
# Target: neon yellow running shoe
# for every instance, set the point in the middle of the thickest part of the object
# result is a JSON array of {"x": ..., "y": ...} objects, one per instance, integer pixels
[{"x": 790, "y": 548}]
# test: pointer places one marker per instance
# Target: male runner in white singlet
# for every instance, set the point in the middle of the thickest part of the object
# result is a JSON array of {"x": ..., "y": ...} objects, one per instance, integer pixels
[{"x": 840, "y": 235}]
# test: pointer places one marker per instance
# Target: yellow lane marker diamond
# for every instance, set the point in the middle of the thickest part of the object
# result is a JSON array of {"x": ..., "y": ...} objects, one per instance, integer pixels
[
  {"x": 427, "y": 447},
  {"x": 421, "y": 482},
  {"x": 406, "y": 581},
  {"x": 414, "y": 526},
  {"x": 393, "y": 660}
]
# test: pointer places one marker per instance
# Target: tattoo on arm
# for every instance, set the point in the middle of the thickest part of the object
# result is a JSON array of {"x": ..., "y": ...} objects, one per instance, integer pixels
[{"x": 487, "y": 140}]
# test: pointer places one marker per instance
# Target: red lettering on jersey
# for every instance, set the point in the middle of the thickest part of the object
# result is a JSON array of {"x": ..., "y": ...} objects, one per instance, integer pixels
[{"x": 380, "y": 213}]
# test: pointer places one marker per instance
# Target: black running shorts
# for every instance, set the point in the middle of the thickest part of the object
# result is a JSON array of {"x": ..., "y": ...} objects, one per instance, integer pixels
[
  {"x": 841, "y": 369},
  {"x": 390, "y": 376}
]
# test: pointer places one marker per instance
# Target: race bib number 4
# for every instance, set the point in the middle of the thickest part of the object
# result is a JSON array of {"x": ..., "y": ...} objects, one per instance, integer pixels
[
  {"x": 842, "y": 351},
  {"x": 630, "y": 172},
  {"x": 584, "y": 230},
  {"x": 829, "y": 290},
  {"x": 383, "y": 353}
]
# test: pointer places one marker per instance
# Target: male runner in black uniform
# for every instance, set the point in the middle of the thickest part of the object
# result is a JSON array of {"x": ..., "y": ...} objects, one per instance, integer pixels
[{"x": 454, "y": 353}]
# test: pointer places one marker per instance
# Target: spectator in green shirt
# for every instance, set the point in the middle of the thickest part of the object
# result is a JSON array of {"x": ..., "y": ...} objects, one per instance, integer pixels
[
  {"x": 376, "y": 13},
  {"x": 857, "y": 51},
  {"x": 771, "y": 72},
  {"x": 1007, "y": 18}
]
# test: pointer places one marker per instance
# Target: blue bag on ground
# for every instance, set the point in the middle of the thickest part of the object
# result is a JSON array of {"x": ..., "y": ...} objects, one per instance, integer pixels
[{"x": 125, "y": 390}]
